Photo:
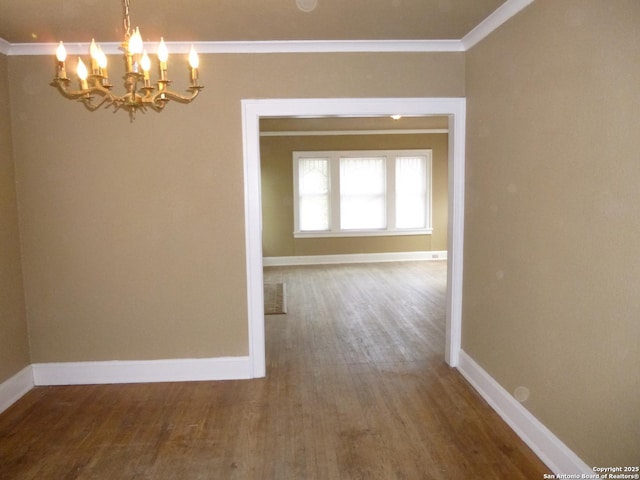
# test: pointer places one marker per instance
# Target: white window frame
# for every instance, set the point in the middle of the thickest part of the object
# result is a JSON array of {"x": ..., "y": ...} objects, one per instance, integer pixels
[{"x": 334, "y": 157}]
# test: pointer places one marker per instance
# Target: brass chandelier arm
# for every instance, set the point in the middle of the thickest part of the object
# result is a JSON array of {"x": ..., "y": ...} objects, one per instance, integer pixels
[
  {"x": 160, "y": 98},
  {"x": 131, "y": 101},
  {"x": 86, "y": 96}
]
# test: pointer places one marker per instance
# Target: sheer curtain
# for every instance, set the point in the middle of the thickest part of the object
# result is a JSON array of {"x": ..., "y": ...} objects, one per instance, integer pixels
[
  {"x": 313, "y": 191},
  {"x": 411, "y": 192},
  {"x": 363, "y": 193}
]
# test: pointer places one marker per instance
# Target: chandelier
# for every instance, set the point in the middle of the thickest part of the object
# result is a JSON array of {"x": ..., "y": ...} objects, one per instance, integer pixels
[{"x": 95, "y": 89}]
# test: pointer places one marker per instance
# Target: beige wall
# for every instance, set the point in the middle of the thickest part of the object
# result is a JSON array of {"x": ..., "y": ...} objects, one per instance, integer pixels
[
  {"x": 14, "y": 343},
  {"x": 552, "y": 222},
  {"x": 133, "y": 233},
  {"x": 133, "y": 237},
  {"x": 277, "y": 195}
]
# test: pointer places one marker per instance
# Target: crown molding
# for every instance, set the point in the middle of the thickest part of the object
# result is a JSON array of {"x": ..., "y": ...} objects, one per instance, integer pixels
[
  {"x": 503, "y": 13},
  {"x": 301, "y": 46},
  {"x": 4, "y": 46},
  {"x": 492, "y": 22}
]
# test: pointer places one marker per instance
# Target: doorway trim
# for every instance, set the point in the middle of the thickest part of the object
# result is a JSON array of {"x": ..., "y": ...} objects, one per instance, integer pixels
[{"x": 253, "y": 110}]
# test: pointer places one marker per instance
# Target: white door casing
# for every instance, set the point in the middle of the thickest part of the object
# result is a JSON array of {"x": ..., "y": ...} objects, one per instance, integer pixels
[{"x": 253, "y": 110}]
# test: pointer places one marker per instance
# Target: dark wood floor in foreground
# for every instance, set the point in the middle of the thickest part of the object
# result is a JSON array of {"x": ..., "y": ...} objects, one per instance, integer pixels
[{"x": 356, "y": 389}]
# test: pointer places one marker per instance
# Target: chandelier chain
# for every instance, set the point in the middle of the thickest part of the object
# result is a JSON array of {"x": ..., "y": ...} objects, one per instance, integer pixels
[{"x": 126, "y": 21}]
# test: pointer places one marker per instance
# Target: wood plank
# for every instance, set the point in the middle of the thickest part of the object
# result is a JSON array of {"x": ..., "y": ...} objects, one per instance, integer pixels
[{"x": 356, "y": 388}]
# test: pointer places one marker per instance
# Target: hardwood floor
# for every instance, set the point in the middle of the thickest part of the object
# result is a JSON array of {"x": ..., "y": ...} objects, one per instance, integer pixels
[{"x": 356, "y": 388}]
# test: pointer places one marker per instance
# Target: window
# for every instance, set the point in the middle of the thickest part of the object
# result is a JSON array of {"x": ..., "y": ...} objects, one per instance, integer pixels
[
  {"x": 359, "y": 193},
  {"x": 363, "y": 197},
  {"x": 313, "y": 193}
]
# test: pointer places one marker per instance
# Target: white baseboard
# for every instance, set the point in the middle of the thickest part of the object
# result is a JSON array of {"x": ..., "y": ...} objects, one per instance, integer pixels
[
  {"x": 555, "y": 454},
  {"x": 142, "y": 371},
  {"x": 551, "y": 450},
  {"x": 14, "y": 388},
  {"x": 354, "y": 258}
]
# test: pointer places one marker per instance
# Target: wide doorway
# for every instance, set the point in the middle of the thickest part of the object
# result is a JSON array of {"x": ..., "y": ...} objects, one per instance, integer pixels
[{"x": 254, "y": 110}]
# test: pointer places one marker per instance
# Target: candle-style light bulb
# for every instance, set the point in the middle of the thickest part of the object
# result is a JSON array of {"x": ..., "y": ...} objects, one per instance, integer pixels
[
  {"x": 135, "y": 43},
  {"x": 134, "y": 50},
  {"x": 194, "y": 62},
  {"x": 93, "y": 48},
  {"x": 145, "y": 63},
  {"x": 82, "y": 74},
  {"x": 93, "y": 51},
  {"x": 102, "y": 64},
  {"x": 163, "y": 56},
  {"x": 102, "y": 59},
  {"x": 163, "y": 52},
  {"x": 61, "y": 55}
]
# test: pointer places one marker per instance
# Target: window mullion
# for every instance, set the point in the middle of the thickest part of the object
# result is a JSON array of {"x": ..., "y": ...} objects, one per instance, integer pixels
[
  {"x": 296, "y": 194},
  {"x": 334, "y": 206},
  {"x": 391, "y": 192},
  {"x": 429, "y": 193}
]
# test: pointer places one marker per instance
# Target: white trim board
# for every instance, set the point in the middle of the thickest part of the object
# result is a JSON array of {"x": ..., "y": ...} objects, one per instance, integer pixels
[
  {"x": 141, "y": 371},
  {"x": 309, "y": 133},
  {"x": 279, "y": 46},
  {"x": 503, "y": 13},
  {"x": 549, "y": 448},
  {"x": 254, "y": 109},
  {"x": 492, "y": 22},
  {"x": 5, "y": 46},
  {"x": 16, "y": 387},
  {"x": 354, "y": 258},
  {"x": 135, "y": 371}
]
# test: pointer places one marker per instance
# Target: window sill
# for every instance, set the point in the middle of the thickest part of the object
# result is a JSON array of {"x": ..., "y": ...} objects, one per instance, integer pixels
[{"x": 363, "y": 233}]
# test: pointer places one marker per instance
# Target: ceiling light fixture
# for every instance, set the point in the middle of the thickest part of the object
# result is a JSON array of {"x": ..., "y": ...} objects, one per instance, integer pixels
[
  {"x": 95, "y": 89},
  {"x": 307, "y": 5}
]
